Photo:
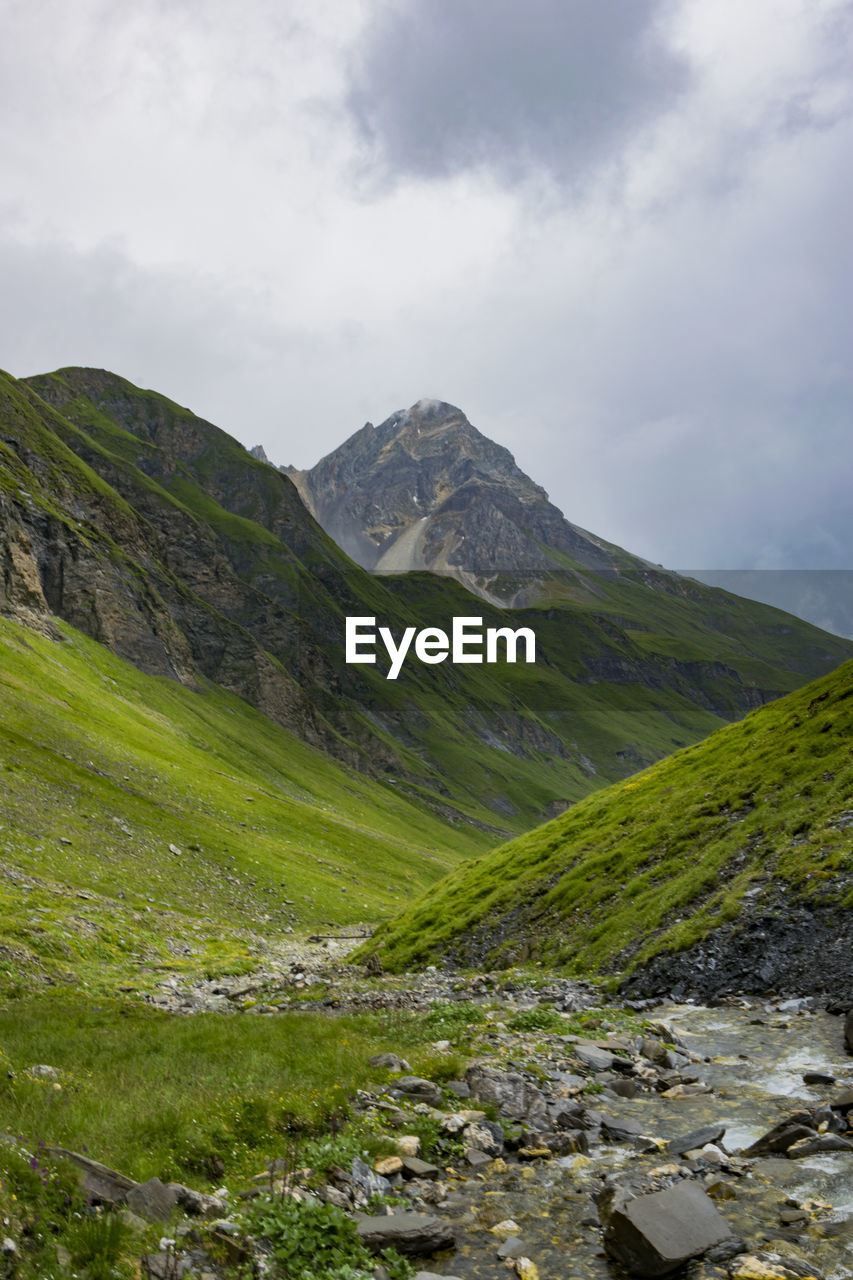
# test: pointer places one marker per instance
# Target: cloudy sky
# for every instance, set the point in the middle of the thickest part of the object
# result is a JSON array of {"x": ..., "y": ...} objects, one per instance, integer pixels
[{"x": 615, "y": 232}]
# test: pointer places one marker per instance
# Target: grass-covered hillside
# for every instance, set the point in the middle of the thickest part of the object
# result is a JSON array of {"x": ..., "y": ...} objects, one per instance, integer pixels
[
  {"x": 156, "y": 533},
  {"x": 143, "y": 824},
  {"x": 761, "y": 813}
]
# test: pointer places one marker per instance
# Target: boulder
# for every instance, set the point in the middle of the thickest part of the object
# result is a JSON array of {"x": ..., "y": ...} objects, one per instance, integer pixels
[
  {"x": 103, "y": 1184},
  {"x": 778, "y": 1139},
  {"x": 817, "y": 1144},
  {"x": 366, "y": 1181},
  {"x": 423, "y": 1090},
  {"x": 413, "y": 1167},
  {"x": 484, "y": 1136},
  {"x": 388, "y": 1060},
  {"x": 155, "y": 1201},
  {"x": 698, "y": 1138},
  {"x": 597, "y": 1059},
  {"x": 848, "y": 1031},
  {"x": 412, "y": 1234},
  {"x": 509, "y": 1092},
  {"x": 620, "y": 1128},
  {"x": 655, "y": 1234}
]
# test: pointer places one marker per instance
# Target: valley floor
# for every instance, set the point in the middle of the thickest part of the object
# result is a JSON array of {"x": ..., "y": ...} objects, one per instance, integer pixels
[{"x": 246, "y": 1121}]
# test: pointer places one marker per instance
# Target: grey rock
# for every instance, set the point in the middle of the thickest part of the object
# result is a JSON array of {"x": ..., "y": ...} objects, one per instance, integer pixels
[
  {"x": 569, "y": 1115},
  {"x": 368, "y": 1181},
  {"x": 159, "y": 1266},
  {"x": 103, "y": 1184},
  {"x": 620, "y": 1128},
  {"x": 510, "y": 1092},
  {"x": 654, "y": 1051},
  {"x": 817, "y": 1144},
  {"x": 696, "y": 1139},
  {"x": 567, "y": 1142},
  {"x": 331, "y": 1195},
  {"x": 624, "y": 1088},
  {"x": 433, "y": 1275},
  {"x": 476, "y": 1159},
  {"x": 818, "y": 1077},
  {"x": 484, "y": 1137},
  {"x": 591, "y": 1056},
  {"x": 154, "y": 1200},
  {"x": 459, "y": 1087},
  {"x": 655, "y": 1234},
  {"x": 197, "y": 1203},
  {"x": 389, "y": 1060},
  {"x": 413, "y": 1167},
  {"x": 412, "y": 1234},
  {"x": 512, "y": 1247},
  {"x": 778, "y": 1139},
  {"x": 423, "y": 1090}
]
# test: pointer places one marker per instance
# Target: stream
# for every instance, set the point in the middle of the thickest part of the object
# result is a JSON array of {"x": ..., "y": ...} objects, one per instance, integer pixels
[{"x": 754, "y": 1059}]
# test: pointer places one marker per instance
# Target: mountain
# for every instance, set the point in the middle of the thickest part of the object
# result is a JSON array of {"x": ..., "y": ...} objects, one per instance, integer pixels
[
  {"x": 727, "y": 866},
  {"x": 426, "y": 490},
  {"x": 823, "y": 597},
  {"x": 158, "y": 535}
]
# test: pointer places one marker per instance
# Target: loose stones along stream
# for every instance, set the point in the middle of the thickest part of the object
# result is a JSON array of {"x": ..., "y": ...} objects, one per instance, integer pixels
[{"x": 755, "y": 1060}]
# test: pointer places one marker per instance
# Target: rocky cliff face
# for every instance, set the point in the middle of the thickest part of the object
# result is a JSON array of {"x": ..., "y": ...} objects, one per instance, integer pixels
[{"x": 426, "y": 490}]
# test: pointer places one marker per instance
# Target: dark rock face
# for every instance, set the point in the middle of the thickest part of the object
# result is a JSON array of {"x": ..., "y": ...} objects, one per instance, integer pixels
[
  {"x": 848, "y": 1031},
  {"x": 655, "y": 1234},
  {"x": 425, "y": 490},
  {"x": 776, "y": 945}
]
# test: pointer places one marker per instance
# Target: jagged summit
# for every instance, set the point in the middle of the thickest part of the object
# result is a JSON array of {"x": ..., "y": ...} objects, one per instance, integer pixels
[{"x": 427, "y": 490}]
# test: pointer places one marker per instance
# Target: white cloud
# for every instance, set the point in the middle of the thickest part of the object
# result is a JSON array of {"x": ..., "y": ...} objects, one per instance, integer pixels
[{"x": 663, "y": 341}]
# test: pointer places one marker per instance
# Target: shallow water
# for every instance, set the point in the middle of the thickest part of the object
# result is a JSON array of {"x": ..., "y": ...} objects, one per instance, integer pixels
[{"x": 755, "y": 1060}]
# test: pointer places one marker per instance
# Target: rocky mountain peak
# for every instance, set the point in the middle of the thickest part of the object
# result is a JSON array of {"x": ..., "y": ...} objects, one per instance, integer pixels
[{"x": 427, "y": 490}]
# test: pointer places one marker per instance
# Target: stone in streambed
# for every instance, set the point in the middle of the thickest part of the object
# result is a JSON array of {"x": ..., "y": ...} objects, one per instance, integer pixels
[
  {"x": 778, "y": 1139},
  {"x": 412, "y": 1234},
  {"x": 510, "y": 1092},
  {"x": 766, "y": 1265},
  {"x": 818, "y": 1144},
  {"x": 620, "y": 1129},
  {"x": 698, "y": 1138},
  {"x": 655, "y": 1234},
  {"x": 484, "y": 1136}
]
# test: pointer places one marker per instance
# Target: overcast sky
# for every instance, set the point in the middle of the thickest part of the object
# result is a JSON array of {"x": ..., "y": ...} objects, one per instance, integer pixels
[{"x": 616, "y": 233}]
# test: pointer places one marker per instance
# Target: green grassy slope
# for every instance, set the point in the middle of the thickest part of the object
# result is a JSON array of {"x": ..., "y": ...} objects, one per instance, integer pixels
[
  {"x": 654, "y": 863},
  {"x": 158, "y": 534},
  {"x": 141, "y": 822}
]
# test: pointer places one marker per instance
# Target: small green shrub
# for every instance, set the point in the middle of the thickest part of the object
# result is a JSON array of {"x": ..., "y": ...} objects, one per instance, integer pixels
[
  {"x": 449, "y": 1021},
  {"x": 542, "y": 1018},
  {"x": 313, "y": 1241},
  {"x": 96, "y": 1242}
]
